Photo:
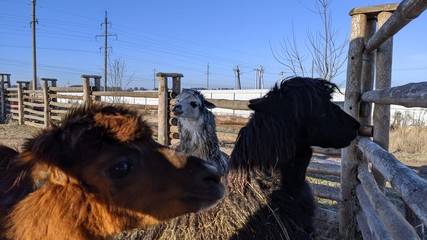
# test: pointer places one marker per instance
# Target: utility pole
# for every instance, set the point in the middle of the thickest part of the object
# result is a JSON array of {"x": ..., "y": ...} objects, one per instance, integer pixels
[
  {"x": 256, "y": 77},
  {"x": 33, "y": 26},
  {"x": 261, "y": 77},
  {"x": 154, "y": 79},
  {"x": 207, "y": 77},
  {"x": 237, "y": 75},
  {"x": 106, "y": 35}
]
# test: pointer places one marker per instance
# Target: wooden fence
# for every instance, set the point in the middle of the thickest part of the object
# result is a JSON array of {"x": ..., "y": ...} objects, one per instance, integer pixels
[
  {"x": 40, "y": 108},
  {"x": 367, "y": 166}
]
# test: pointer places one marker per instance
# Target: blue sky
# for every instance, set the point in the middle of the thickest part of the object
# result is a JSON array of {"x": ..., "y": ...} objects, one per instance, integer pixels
[{"x": 181, "y": 36}]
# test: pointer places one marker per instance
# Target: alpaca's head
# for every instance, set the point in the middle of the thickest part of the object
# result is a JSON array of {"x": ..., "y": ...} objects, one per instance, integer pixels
[
  {"x": 191, "y": 104},
  {"x": 306, "y": 103},
  {"x": 109, "y": 152}
]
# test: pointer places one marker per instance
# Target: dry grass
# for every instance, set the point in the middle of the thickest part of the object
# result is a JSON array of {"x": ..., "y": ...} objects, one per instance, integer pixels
[{"x": 409, "y": 144}]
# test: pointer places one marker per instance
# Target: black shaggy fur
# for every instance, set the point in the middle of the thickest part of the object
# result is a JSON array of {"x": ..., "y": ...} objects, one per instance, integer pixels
[{"x": 268, "y": 196}]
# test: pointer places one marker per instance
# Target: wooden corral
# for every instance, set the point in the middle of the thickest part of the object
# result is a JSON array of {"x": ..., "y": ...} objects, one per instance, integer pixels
[
  {"x": 367, "y": 166},
  {"x": 40, "y": 108}
]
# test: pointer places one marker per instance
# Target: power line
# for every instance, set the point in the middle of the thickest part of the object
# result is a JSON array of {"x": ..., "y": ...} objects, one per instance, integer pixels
[{"x": 106, "y": 35}]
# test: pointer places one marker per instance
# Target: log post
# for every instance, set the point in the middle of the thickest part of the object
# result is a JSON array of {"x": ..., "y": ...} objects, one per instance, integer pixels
[
  {"x": 47, "y": 99},
  {"x": 381, "y": 115},
  {"x": 163, "y": 109},
  {"x": 20, "y": 103},
  {"x": 97, "y": 87},
  {"x": 2, "y": 101},
  {"x": 164, "y": 104},
  {"x": 4, "y": 83},
  {"x": 348, "y": 208},
  {"x": 86, "y": 90},
  {"x": 368, "y": 68},
  {"x": 176, "y": 89},
  {"x": 53, "y": 84},
  {"x": 176, "y": 86},
  {"x": 46, "y": 110},
  {"x": 27, "y": 85},
  {"x": 5, "y": 77}
]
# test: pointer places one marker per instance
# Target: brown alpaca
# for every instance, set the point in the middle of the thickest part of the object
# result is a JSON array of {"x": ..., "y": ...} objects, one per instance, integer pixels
[{"x": 98, "y": 173}]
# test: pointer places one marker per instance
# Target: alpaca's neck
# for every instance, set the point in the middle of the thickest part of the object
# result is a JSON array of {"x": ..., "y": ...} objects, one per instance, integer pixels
[
  {"x": 271, "y": 145},
  {"x": 265, "y": 143},
  {"x": 293, "y": 174},
  {"x": 67, "y": 212},
  {"x": 198, "y": 137}
]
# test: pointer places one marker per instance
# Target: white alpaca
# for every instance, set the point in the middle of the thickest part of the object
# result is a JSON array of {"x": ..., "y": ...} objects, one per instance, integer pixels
[{"x": 197, "y": 128}]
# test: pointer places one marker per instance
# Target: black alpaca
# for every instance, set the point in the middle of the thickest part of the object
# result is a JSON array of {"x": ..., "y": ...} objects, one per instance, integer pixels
[{"x": 268, "y": 196}]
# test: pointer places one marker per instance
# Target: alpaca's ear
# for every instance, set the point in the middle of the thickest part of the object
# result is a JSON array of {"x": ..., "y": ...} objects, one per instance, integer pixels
[
  {"x": 48, "y": 147},
  {"x": 209, "y": 104}
]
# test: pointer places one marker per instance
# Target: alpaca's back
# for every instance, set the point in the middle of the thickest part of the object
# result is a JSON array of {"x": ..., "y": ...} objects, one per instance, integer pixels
[{"x": 15, "y": 181}]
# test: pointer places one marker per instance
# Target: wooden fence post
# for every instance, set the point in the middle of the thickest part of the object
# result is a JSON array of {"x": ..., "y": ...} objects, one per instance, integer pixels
[
  {"x": 53, "y": 85},
  {"x": 47, "y": 99},
  {"x": 381, "y": 116},
  {"x": 5, "y": 83},
  {"x": 2, "y": 101},
  {"x": 164, "y": 105},
  {"x": 348, "y": 208},
  {"x": 20, "y": 104},
  {"x": 97, "y": 87},
  {"x": 367, "y": 83},
  {"x": 176, "y": 86},
  {"x": 163, "y": 109},
  {"x": 86, "y": 89},
  {"x": 46, "y": 109}
]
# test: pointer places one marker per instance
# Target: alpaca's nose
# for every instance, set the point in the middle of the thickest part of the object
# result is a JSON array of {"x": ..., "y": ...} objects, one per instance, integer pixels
[
  {"x": 177, "y": 109},
  {"x": 206, "y": 171}
]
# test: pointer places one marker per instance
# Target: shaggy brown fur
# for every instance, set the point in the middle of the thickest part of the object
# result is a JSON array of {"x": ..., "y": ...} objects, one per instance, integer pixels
[
  {"x": 268, "y": 197},
  {"x": 98, "y": 173}
]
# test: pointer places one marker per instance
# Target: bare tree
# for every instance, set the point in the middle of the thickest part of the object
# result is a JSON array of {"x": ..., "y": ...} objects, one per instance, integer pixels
[
  {"x": 326, "y": 52},
  {"x": 117, "y": 77},
  {"x": 290, "y": 57}
]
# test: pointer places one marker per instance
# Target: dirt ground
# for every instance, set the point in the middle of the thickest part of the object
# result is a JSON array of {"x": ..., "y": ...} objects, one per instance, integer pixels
[{"x": 14, "y": 135}]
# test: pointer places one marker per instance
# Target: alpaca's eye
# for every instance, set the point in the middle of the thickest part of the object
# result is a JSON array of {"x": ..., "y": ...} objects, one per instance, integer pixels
[
  {"x": 193, "y": 104},
  {"x": 120, "y": 170}
]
